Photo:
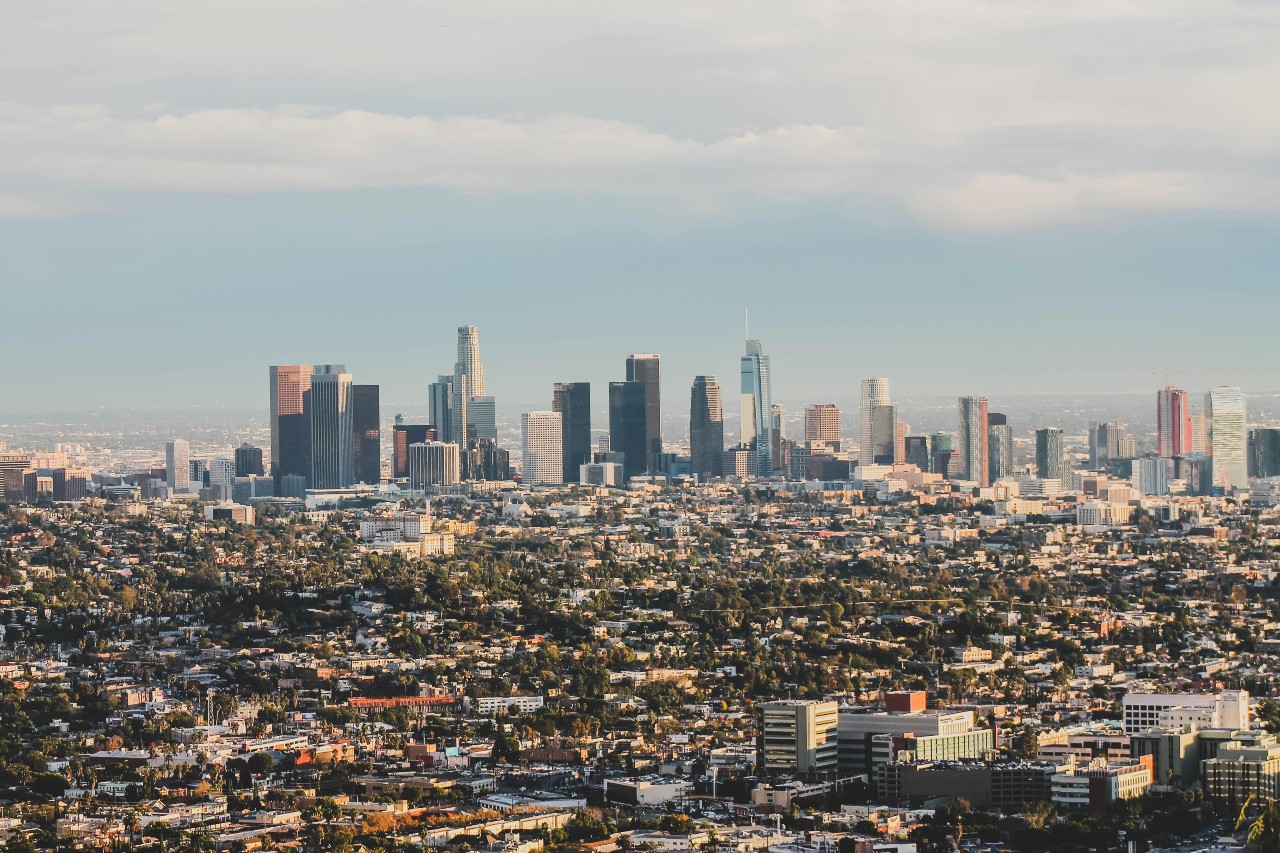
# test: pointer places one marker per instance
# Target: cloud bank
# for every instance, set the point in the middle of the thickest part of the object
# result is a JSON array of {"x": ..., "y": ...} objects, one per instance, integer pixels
[{"x": 966, "y": 115}]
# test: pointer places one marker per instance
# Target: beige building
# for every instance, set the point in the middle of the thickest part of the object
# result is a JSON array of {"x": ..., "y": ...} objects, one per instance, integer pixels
[{"x": 799, "y": 736}]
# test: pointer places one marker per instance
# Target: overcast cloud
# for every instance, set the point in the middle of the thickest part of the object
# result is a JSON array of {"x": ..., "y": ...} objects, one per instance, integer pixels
[{"x": 966, "y": 115}]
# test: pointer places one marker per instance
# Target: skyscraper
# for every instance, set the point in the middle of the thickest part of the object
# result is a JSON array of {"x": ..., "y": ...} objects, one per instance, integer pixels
[
  {"x": 402, "y": 437},
  {"x": 1224, "y": 409},
  {"x": 972, "y": 440},
  {"x": 573, "y": 401},
  {"x": 999, "y": 446},
  {"x": 290, "y": 424},
  {"x": 440, "y": 401},
  {"x": 1264, "y": 452},
  {"x": 918, "y": 449},
  {"x": 367, "y": 439},
  {"x": 1108, "y": 440},
  {"x": 468, "y": 386},
  {"x": 433, "y": 463},
  {"x": 1173, "y": 422},
  {"x": 249, "y": 461},
  {"x": 1051, "y": 461},
  {"x": 177, "y": 465},
  {"x": 332, "y": 430},
  {"x": 627, "y": 426},
  {"x": 646, "y": 368},
  {"x": 543, "y": 449},
  {"x": 706, "y": 428},
  {"x": 884, "y": 435},
  {"x": 822, "y": 425},
  {"x": 874, "y": 392},
  {"x": 757, "y": 409}
]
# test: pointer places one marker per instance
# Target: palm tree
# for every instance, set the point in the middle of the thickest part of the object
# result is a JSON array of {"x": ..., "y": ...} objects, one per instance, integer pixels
[{"x": 1264, "y": 829}]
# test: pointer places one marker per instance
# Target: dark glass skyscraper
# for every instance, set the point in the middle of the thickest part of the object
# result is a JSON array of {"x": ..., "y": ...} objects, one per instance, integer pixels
[
  {"x": 646, "y": 369},
  {"x": 367, "y": 441},
  {"x": 249, "y": 461},
  {"x": 628, "y": 424},
  {"x": 1051, "y": 461},
  {"x": 706, "y": 428},
  {"x": 290, "y": 423},
  {"x": 573, "y": 401}
]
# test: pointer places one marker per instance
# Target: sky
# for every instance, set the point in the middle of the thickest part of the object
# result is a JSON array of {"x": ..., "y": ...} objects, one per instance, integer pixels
[{"x": 969, "y": 197}]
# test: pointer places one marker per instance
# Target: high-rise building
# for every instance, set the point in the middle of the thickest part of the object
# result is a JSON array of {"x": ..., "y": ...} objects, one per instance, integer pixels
[
  {"x": 1224, "y": 409},
  {"x": 1264, "y": 452},
  {"x": 177, "y": 465},
  {"x": 799, "y": 736},
  {"x": 627, "y": 426},
  {"x": 542, "y": 434},
  {"x": 917, "y": 449},
  {"x": 402, "y": 436},
  {"x": 466, "y": 426},
  {"x": 13, "y": 465},
  {"x": 249, "y": 461},
  {"x": 367, "y": 440},
  {"x": 757, "y": 408},
  {"x": 999, "y": 446},
  {"x": 873, "y": 392},
  {"x": 1173, "y": 422},
  {"x": 1108, "y": 440},
  {"x": 884, "y": 435},
  {"x": 822, "y": 425},
  {"x": 469, "y": 363},
  {"x": 972, "y": 440},
  {"x": 290, "y": 424},
  {"x": 573, "y": 401},
  {"x": 221, "y": 476},
  {"x": 706, "y": 428},
  {"x": 1051, "y": 460},
  {"x": 332, "y": 432},
  {"x": 440, "y": 401},
  {"x": 646, "y": 369},
  {"x": 433, "y": 463}
]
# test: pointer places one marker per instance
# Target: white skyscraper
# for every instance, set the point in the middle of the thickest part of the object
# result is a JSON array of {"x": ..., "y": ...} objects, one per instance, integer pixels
[
  {"x": 177, "y": 464},
  {"x": 222, "y": 475},
  {"x": 757, "y": 408},
  {"x": 875, "y": 392},
  {"x": 543, "y": 448},
  {"x": 468, "y": 389},
  {"x": 1224, "y": 411},
  {"x": 469, "y": 363},
  {"x": 434, "y": 463}
]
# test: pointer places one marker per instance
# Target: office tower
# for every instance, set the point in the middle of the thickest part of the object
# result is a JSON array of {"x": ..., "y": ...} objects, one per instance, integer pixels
[
  {"x": 440, "y": 401},
  {"x": 573, "y": 401},
  {"x": 646, "y": 369},
  {"x": 290, "y": 425},
  {"x": 485, "y": 460},
  {"x": 799, "y": 736},
  {"x": 433, "y": 463},
  {"x": 873, "y": 392},
  {"x": 1107, "y": 441},
  {"x": 1151, "y": 475},
  {"x": 249, "y": 461},
  {"x": 706, "y": 428},
  {"x": 469, "y": 364},
  {"x": 1173, "y": 422},
  {"x": 917, "y": 450},
  {"x": 1199, "y": 433},
  {"x": 482, "y": 419},
  {"x": 1051, "y": 460},
  {"x": 1264, "y": 452},
  {"x": 543, "y": 449},
  {"x": 177, "y": 465},
  {"x": 628, "y": 425},
  {"x": 972, "y": 440},
  {"x": 403, "y": 435},
  {"x": 332, "y": 432},
  {"x": 468, "y": 392},
  {"x": 999, "y": 446},
  {"x": 1224, "y": 408},
  {"x": 757, "y": 409},
  {"x": 12, "y": 466},
  {"x": 822, "y": 425},
  {"x": 884, "y": 435},
  {"x": 367, "y": 440}
]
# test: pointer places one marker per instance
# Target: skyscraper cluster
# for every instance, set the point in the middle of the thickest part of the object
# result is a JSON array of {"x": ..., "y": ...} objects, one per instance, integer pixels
[{"x": 325, "y": 429}]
